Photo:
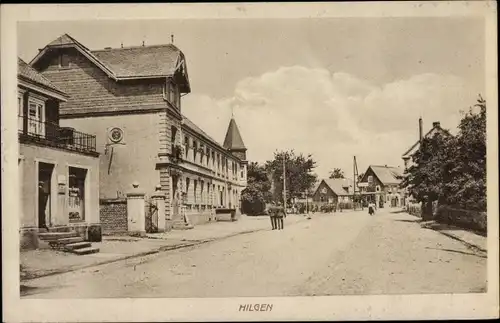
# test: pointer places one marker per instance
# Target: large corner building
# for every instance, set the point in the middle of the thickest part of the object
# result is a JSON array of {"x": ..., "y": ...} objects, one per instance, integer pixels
[{"x": 130, "y": 99}]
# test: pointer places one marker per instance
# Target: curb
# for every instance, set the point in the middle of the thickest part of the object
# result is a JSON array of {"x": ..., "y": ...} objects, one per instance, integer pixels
[
  {"x": 467, "y": 244},
  {"x": 142, "y": 254},
  {"x": 105, "y": 262},
  {"x": 428, "y": 225}
]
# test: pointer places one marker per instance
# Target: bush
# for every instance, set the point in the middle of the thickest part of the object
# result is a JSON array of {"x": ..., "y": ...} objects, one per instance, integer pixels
[{"x": 253, "y": 207}]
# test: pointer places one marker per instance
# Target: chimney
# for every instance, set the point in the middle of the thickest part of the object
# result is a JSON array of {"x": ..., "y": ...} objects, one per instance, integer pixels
[
  {"x": 143, "y": 43},
  {"x": 420, "y": 130},
  {"x": 436, "y": 124}
]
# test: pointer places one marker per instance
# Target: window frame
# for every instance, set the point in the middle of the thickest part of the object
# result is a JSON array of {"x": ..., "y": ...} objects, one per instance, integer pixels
[
  {"x": 171, "y": 93},
  {"x": 40, "y": 112},
  {"x": 61, "y": 60}
]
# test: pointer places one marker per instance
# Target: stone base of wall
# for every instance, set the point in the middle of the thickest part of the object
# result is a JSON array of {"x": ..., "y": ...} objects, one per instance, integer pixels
[
  {"x": 29, "y": 239},
  {"x": 169, "y": 224},
  {"x": 201, "y": 217}
]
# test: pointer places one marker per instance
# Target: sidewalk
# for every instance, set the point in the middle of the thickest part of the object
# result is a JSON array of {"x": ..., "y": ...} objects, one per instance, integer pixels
[
  {"x": 45, "y": 262},
  {"x": 470, "y": 239}
]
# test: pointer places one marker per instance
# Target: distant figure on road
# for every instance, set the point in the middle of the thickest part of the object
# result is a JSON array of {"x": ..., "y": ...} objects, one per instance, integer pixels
[
  {"x": 371, "y": 208},
  {"x": 280, "y": 213},
  {"x": 271, "y": 210}
]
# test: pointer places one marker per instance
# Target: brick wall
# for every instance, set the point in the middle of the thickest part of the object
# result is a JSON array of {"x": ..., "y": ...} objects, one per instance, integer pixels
[{"x": 113, "y": 213}]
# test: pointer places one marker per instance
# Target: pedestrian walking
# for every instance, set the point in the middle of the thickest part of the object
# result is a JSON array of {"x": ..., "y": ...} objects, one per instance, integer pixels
[{"x": 371, "y": 208}]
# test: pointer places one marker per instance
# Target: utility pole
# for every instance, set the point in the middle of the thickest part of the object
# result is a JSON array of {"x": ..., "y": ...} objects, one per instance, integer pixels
[
  {"x": 307, "y": 202},
  {"x": 355, "y": 177},
  {"x": 284, "y": 183}
]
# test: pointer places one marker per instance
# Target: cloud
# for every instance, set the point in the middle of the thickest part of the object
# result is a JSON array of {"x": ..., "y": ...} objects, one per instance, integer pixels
[{"x": 332, "y": 116}]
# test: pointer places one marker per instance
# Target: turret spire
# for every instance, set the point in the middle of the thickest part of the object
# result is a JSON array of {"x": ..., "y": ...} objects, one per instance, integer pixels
[{"x": 233, "y": 141}]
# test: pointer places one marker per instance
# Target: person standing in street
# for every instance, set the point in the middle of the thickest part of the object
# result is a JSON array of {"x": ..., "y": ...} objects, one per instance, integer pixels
[
  {"x": 281, "y": 212},
  {"x": 371, "y": 208},
  {"x": 271, "y": 210}
]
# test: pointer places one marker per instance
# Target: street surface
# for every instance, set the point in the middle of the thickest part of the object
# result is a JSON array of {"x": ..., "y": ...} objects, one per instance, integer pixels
[{"x": 331, "y": 254}]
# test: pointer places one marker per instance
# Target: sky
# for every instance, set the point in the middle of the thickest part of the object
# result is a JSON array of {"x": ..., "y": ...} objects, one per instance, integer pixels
[{"x": 331, "y": 87}]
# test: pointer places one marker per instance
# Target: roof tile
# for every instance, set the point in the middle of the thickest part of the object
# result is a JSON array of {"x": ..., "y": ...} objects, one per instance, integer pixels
[
  {"x": 387, "y": 174},
  {"x": 157, "y": 60},
  {"x": 28, "y": 72},
  {"x": 233, "y": 140},
  {"x": 340, "y": 186}
]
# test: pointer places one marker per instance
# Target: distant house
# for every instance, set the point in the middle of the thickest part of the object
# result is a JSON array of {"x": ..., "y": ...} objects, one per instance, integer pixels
[
  {"x": 436, "y": 128},
  {"x": 380, "y": 184},
  {"x": 333, "y": 191}
]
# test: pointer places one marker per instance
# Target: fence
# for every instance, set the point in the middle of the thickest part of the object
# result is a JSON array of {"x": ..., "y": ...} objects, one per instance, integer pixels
[
  {"x": 467, "y": 219},
  {"x": 414, "y": 209},
  {"x": 32, "y": 129},
  {"x": 151, "y": 213}
]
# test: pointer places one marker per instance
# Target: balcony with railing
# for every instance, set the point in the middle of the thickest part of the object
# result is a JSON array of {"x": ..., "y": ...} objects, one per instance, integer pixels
[{"x": 34, "y": 131}]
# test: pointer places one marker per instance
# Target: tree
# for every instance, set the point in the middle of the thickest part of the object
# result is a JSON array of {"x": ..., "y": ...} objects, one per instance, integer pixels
[
  {"x": 257, "y": 192},
  {"x": 466, "y": 186},
  {"x": 425, "y": 178},
  {"x": 298, "y": 173},
  {"x": 452, "y": 170},
  {"x": 337, "y": 173}
]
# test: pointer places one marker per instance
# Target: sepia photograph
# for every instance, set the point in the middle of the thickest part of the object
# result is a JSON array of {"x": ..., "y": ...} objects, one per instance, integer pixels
[{"x": 252, "y": 158}]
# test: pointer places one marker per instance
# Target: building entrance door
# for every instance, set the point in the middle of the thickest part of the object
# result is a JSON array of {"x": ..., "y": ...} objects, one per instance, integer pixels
[{"x": 44, "y": 194}]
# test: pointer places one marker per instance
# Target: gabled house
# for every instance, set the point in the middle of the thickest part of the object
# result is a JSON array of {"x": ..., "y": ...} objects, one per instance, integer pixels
[
  {"x": 380, "y": 184},
  {"x": 436, "y": 128},
  {"x": 131, "y": 98},
  {"x": 333, "y": 191},
  {"x": 58, "y": 166}
]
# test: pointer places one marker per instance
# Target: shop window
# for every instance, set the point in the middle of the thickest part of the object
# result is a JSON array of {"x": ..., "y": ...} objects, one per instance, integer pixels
[{"x": 76, "y": 199}]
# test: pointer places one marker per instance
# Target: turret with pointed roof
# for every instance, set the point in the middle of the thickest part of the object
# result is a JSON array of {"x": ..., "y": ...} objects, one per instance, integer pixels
[{"x": 233, "y": 142}]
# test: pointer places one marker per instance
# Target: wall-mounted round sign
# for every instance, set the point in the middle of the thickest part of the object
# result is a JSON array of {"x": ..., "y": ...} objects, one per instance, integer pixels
[{"x": 116, "y": 135}]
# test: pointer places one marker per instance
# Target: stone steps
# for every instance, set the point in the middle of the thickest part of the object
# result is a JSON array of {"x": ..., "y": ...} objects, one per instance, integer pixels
[
  {"x": 68, "y": 241},
  {"x": 54, "y": 236},
  {"x": 85, "y": 251},
  {"x": 77, "y": 245}
]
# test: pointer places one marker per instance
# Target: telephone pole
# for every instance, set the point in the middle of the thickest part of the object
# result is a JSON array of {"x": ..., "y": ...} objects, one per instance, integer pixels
[
  {"x": 355, "y": 177},
  {"x": 284, "y": 183}
]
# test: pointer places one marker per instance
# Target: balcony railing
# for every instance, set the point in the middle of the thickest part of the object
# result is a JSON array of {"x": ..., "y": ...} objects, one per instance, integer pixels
[{"x": 51, "y": 134}]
